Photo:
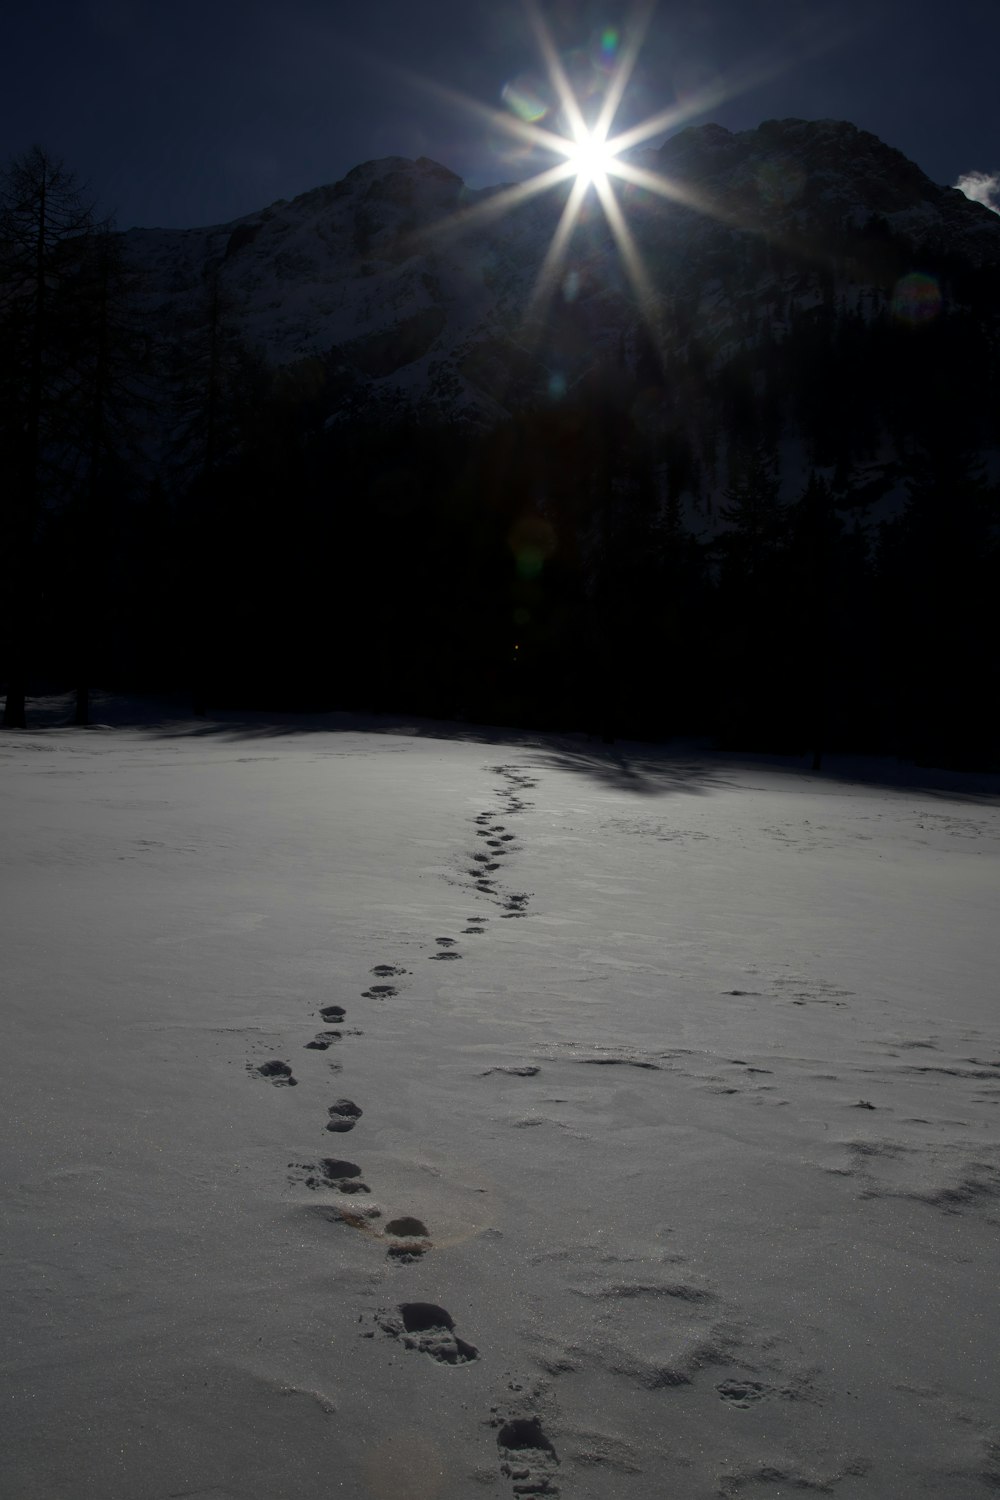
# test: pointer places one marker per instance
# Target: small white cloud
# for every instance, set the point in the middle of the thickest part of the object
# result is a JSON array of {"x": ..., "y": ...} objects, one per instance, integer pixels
[{"x": 982, "y": 187}]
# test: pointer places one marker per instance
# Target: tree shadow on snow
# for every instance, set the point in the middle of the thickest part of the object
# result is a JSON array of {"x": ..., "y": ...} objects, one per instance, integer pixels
[{"x": 645, "y": 770}]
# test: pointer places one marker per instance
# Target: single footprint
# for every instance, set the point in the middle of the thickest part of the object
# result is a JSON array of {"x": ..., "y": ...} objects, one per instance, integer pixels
[
  {"x": 429, "y": 1329},
  {"x": 379, "y": 991},
  {"x": 410, "y": 1240},
  {"x": 448, "y": 953},
  {"x": 527, "y": 1457},
  {"x": 333, "y": 1013},
  {"x": 742, "y": 1393},
  {"x": 331, "y": 1172},
  {"x": 406, "y": 1252},
  {"x": 386, "y": 971},
  {"x": 276, "y": 1072},
  {"x": 407, "y": 1227},
  {"x": 322, "y": 1040},
  {"x": 474, "y": 929},
  {"x": 446, "y": 942},
  {"x": 344, "y": 1115}
]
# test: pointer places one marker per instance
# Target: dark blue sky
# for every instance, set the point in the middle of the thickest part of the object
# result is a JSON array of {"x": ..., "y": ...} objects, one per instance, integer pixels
[{"x": 185, "y": 112}]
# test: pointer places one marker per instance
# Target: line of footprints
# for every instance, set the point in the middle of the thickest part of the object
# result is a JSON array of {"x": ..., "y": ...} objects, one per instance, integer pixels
[{"x": 527, "y": 1457}]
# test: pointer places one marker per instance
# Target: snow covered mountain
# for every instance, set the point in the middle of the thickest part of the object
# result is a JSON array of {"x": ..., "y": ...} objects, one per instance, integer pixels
[{"x": 409, "y": 293}]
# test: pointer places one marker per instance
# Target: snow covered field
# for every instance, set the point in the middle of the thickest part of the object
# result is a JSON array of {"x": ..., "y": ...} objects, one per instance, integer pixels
[{"x": 665, "y": 1159}]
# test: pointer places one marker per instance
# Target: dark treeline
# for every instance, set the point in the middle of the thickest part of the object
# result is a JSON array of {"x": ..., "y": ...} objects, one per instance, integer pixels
[{"x": 632, "y": 559}]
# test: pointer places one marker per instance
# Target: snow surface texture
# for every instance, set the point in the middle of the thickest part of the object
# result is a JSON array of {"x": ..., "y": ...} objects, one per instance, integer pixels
[{"x": 672, "y": 1086}]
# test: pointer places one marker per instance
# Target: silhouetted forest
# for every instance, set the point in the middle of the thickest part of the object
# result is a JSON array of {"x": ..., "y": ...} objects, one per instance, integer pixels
[{"x": 633, "y": 559}]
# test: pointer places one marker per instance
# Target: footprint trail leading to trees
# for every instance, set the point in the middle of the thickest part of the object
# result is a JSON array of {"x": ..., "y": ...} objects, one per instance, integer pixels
[{"x": 527, "y": 1457}]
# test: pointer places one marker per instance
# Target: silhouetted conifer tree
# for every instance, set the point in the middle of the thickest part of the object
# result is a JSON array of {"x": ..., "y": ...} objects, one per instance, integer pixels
[
  {"x": 939, "y": 566},
  {"x": 218, "y": 390},
  {"x": 751, "y": 582},
  {"x": 105, "y": 361},
  {"x": 45, "y": 226}
]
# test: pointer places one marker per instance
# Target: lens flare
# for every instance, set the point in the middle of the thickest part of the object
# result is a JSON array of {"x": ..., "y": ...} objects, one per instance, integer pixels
[
  {"x": 529, "y": 562},
  {"x": 916, "y": 299},
  {"x": 524, "y": 99},
  {"x": 780, "y": 182},
  {"x": 532, "y": 541}
]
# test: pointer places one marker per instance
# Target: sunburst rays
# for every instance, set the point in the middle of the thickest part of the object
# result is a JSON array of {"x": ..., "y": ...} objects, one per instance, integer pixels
[{"x": 590, "y": 157}]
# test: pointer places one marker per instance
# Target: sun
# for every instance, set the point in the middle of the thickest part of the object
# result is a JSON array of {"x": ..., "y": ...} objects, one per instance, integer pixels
[
  {"x": 591, "y": 157},
  {"x": 587, "y": 154}
]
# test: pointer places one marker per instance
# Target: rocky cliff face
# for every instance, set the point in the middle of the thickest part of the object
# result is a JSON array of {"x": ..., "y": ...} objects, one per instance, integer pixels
[{"x": 800, "y": 177}]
